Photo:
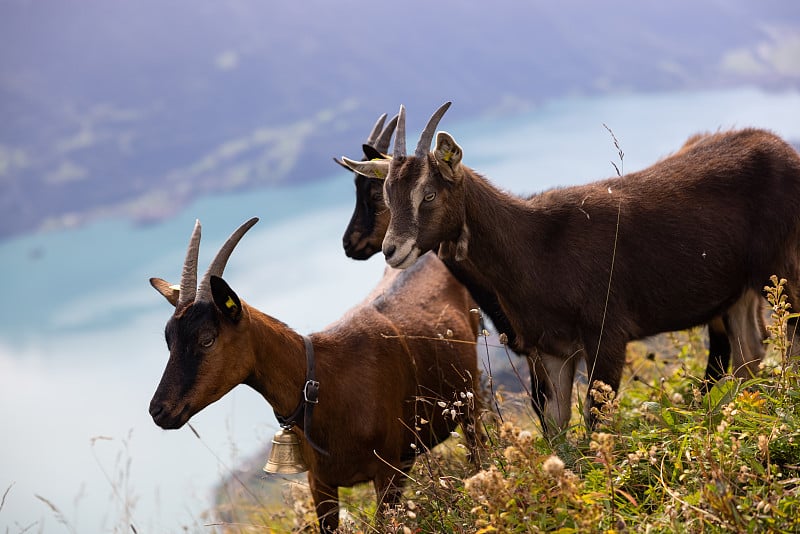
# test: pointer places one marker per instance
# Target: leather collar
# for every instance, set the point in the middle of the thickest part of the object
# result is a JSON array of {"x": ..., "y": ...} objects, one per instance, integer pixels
[{"x": 309, "y": 396}]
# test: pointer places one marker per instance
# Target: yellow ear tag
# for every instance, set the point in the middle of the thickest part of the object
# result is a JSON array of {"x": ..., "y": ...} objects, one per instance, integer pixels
[
  {"x": 447, "y": 156},
  {"x": 378, "y": 173},
  {"x": 230, "y": 304}
]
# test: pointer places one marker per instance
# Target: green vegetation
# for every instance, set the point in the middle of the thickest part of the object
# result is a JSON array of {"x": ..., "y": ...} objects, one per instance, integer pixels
[{"x": 665, "y": 459}]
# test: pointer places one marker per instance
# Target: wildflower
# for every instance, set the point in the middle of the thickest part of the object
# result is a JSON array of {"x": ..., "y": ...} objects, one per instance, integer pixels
[
  {"x": 601, "y": 441},
  {"x": 634, "y": 458},
  {"x": 729, "y": 410},
  {"x": 485, "y": 484},
  {"x": 651, "y": 411},
  {"x": 553, "y": 466},
  {"x": 652, "y": 455},
  {"x": 735, "y": 445},
  {"x": 525, "y": 437},
  {"x": 605, "y": 399},
  {"x": 508, "y": 430},
  {"x": 752, "y": 399},
  {"x": 763, "y": 444},
  {"x": 601, "y": 392},
  {"x": 744, "y": 471},
  {"x": 513, "y": 454}
]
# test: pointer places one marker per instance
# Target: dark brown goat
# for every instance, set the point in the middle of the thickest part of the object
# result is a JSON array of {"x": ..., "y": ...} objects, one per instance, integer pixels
[
  {"x": 381, "y": 370},
  {"x": 364, "y": 235},
  {"x": 580, "y": 271}
]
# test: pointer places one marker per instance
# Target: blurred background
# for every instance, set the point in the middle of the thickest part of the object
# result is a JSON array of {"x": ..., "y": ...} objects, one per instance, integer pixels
[{"x": 122, "y": 122}]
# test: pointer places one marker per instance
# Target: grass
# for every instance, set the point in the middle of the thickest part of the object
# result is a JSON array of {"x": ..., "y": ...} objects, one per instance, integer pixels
[{"x": 664, "y": 459}]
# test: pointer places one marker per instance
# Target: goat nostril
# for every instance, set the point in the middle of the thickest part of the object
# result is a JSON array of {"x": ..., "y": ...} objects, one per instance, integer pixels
[
  {"x": 389, "y": 251},
  {"x": 156, "y": 410}
]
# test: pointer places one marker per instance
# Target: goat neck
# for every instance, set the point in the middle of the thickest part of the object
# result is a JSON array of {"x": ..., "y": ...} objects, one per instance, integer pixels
[{"x": 279, "y": 370}]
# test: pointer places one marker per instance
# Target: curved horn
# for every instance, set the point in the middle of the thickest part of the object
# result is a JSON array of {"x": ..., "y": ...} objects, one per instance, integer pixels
[
  {"x": 376, "y": 130},
  {"x": 382, "y": 144},
  {"x": 400, "y": 135},
  {"x": 221, "y": 259},
  {"x": 189, "y": 276},
  {"x": 424, "y": 145}
]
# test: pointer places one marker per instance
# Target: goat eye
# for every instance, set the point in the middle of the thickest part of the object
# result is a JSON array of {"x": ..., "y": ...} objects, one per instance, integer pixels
[
  {"x": 207, "y": 342},
  {"x": 429, "y": 197}
]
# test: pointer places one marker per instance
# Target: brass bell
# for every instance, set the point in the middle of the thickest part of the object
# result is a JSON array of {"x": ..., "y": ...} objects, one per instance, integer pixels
[{"x": 285, "y": 456}]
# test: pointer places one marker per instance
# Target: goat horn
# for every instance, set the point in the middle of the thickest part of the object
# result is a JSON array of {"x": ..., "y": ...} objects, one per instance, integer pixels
[
  {"x": 189, "y": 276},
  {"x": 376, "y": 130},
  {"x": 400, "y": 135},
  {"x": 424, "y": 145},
  {"x": 221, "y": 259},
  {"x": 382, "y": 144}
]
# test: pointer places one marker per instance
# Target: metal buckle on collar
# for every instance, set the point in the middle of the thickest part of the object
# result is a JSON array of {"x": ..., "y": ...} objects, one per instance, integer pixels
[{"x": 311, "y": 391}]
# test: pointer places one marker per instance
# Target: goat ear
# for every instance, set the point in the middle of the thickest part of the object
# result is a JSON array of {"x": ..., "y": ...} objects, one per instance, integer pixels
[
  {"x": 372, "y": 153},
  {"x": 226, "y": 300},
  {"x": 448, "y": 155},
  {"x": 371, "y": 169},
  {"x": 169, "y": 291}
]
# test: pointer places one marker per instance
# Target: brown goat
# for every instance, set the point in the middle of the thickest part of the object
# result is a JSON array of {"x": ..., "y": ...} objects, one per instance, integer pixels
[
  {"x": 381, "y": 370},
  {"x": 580, "y": 271}
]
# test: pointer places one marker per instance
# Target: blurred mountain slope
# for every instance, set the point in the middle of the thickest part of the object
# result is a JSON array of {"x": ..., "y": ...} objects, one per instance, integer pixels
[{"x": 135, "y": 108}]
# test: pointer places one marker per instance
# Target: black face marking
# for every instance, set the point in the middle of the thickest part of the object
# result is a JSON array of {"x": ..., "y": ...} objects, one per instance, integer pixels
[
  {"x": 186, "y": 336},
  {"x": 360, "y": 236},
  {"x": 365, "y": 189}
]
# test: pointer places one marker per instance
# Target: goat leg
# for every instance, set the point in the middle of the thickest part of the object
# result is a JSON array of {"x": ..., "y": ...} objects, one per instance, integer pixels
[{"x": 326, "y": 502}]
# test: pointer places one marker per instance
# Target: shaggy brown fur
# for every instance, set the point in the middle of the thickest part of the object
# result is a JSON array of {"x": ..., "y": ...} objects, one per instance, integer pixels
[{"x": 580, "y": 271}]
